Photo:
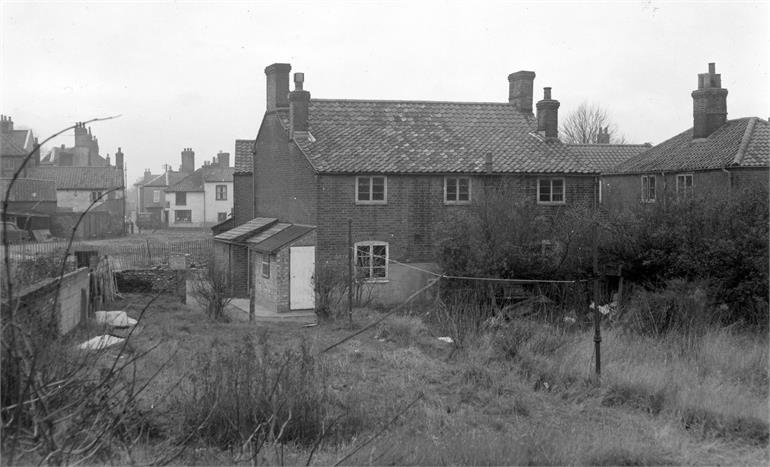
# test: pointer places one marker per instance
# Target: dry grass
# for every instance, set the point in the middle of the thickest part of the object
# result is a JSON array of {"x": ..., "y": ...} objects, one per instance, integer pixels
[{"x": 520, "y": 396}]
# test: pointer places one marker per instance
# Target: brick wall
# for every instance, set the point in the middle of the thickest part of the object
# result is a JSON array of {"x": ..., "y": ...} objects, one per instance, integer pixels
[
  {"x": 284, "y": 181},
  {"x": 412, "y": 219},
  {"x": 243, "y": 202},
  {"x": 36, "y": 302}
]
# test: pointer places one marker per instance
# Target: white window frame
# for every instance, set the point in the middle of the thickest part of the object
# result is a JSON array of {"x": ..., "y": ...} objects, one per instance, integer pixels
[
  {"x": 370, "y": 201},
  {"x": 370, "y": 245},
  {"x": 646, "y": 190},
  {"x": 216, "y": 192},
  {"x": 156, "y": 196},
  {"x": 550, "y": 188},
  {"x": 457, "y": 190},
  {"x": 681, "y": 192},
  {"x": 176, "y": 216},
  {"x": 266, "y": 266}
]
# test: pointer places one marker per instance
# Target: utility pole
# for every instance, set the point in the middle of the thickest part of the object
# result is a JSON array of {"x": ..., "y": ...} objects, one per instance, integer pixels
[
  {"x": 350, "y": 272},
  {"x": 597, "y": 314}
]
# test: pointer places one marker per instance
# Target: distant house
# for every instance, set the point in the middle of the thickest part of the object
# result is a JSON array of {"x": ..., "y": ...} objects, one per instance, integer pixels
[
  {"x": 31, "y": 203},
  {"x": 712, "y": 159},
  {"x": 396, "y": 169},
  {"x": 85, "y": 152},
  {"x": 15, "y": 145},
  {"x": 204, "y": 197},
  {"x": 99, "y": 191}
]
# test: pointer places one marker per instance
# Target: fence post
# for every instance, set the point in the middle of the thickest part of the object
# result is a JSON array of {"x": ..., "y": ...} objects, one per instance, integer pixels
[
  {"x": 350, "y": 271},
  {"x": 597, "y": 314}
]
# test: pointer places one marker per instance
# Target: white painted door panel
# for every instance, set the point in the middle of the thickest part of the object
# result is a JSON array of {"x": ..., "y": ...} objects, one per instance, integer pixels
[{"x": 301, "y": 269}]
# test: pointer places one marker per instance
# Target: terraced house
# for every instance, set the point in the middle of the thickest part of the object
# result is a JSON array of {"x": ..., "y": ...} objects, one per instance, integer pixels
[
  {"x": 713, "y": 158},
  {"x": 397, "y": 169}
]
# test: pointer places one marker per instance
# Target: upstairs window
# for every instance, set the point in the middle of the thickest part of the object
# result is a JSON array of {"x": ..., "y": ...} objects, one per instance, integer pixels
[
  {"x": 371, "y": 190},
  {"x": 181, "y": 198},
  {"x": 684, "y": 186},
  {"x": 457, "y": 190},
  {"x": 648, "y": 188},
  {"x": 372, "y": 260},
  {"x": 95, "y": 195},
  {"x": 550, "y": 191},
  {"x": 156, "y": 196},
  {"x": 221, "y": 192}
]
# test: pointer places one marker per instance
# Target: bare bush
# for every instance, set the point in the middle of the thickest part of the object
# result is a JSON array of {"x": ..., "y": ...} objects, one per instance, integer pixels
[{"x": 211, "y": 290}]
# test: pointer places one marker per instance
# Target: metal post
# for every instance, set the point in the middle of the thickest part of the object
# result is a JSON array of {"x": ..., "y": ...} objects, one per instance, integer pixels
[
  {"x": 597, "y": 314},
  {"x": 350, "y": 271}
]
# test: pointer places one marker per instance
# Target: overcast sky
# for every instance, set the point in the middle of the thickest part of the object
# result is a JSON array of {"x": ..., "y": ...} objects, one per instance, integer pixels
[{"x": 190, "y": 74}]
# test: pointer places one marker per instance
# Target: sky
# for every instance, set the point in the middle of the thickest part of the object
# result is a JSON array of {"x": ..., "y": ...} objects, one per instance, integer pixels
[{"x": 191, "y": 74}]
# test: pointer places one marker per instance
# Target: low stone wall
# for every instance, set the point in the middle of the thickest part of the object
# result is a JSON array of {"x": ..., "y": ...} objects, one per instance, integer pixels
[{"x": 147, "y": 281}]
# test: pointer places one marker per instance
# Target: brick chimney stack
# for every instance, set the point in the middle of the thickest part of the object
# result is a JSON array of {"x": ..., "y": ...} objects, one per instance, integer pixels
[
  {"x": 277, "y": 86},
  {"x": 299, "y": 103},
  {"x": 107, "y": 158},
  {"x": 223, "y": 159},
  {"x": 548, "y": 115},
  {"x": 520, "y": 90},
  {"x": 604, "y": 135},
  {"x": 6, "y": 124},
  {"x": 147, "y": 175},
  {"x": 188, "y": 161},
  {"x": 709, "y": 109},
  {"x": 119, "y": 159}
]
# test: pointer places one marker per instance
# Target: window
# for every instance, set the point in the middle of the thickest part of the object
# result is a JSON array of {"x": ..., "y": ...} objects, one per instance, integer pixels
[
  {"x": 182, "y": 216},
  {"x": 9, "y": 163},
  {"x": 371, "y": 190},
  {"x": 372, "y": 260},
  {"x": 550, "y": 191},
  {"x": 156, "y": 196},
  {"x": 221, "y": 216},
  {"x": 181, "y": 198},
  {"x": 684, "y": 186},
  {"x": 221, "y": 192},
  {"x": 648, "y": 188},
  {"x": 457, "y": 190},
  {"x": 266, "y": 266},
  {"x": 95, "y": 195}
]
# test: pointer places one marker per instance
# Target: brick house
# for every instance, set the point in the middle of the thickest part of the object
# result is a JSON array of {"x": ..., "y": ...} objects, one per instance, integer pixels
[
  {"x": 151, "y": 201},
  {"x": 15, "y": 145},
  {"x": 713, "y": 158},
  {"x": 31, "y": 203},
  {"x": 397, "y": 169}
]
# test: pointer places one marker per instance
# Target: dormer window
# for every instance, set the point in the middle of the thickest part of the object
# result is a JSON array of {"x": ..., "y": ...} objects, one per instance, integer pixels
[{"x": 372, "y": 190}]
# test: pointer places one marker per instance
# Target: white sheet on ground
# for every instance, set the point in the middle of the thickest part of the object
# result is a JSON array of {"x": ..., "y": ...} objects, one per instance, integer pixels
[{"x": 100, "y": 342}]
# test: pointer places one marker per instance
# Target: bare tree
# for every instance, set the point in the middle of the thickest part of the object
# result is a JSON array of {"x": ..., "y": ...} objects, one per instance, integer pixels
[{"x": 590, "y": 124}]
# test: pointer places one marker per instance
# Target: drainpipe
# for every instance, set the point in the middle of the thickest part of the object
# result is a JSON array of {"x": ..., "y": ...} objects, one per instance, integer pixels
[{"x": 665, "y": 188}]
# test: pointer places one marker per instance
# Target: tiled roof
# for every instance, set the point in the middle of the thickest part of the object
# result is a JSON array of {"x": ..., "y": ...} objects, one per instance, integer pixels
[
  {"x": 80, "y": 178},
  {"x": 601, "y": 157},
  {"x": 9, "y": 146},
  {"x": 350, "y": 136},
  {"x": 29, "y": 189},
  {"x": 166, "y": 179},
  {"x": 246, "y": 230},
  {"x": 196, "y": 180},
  {"x": 742, "y": 142},
  {"x": 244, "y": 156}
]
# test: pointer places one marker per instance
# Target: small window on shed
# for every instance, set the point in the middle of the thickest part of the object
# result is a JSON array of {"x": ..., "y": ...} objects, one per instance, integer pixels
[{"x": 266, "y": 266}]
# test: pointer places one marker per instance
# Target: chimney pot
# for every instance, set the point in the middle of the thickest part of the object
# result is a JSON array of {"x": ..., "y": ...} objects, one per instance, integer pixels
[{"x": 547, "y": 93}]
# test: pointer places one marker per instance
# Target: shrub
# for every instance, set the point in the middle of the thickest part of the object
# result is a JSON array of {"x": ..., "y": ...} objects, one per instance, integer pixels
[{"x": 212, "y": 291}]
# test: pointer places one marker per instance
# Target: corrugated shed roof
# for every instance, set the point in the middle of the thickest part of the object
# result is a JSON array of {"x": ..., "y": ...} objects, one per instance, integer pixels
[
  {"x": 601, "y": 157},
  {"x": 29, "y": 189},
  {"x": 246, "y": 230},
  {"x": 741, "y": 142},
  {"x": 351, "y": 136},
  {"x": 279, "y": 239},
  {"x": 80, "y": 178},
  {"x": 244, "y": 156}
]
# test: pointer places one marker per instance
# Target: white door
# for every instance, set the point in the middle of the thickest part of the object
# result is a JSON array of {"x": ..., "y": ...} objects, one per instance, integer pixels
[{"x": 301, "y": 268}]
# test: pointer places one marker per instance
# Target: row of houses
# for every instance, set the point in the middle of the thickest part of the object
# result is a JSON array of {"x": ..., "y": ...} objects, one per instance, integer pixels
[
  {"x": 187, "y": 197},
  {"x": 66, "y": 186},
  {"x": 398, "y": 169}
]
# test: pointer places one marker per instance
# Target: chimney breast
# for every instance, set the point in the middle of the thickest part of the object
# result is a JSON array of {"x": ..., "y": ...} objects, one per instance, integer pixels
[
  {"x": 520, "y": 90},
  {"x": 299, "y": 103},
  {"x": 709, "y": 104},
  {"x": 548, "y": 115},
  {"x": 7, "y": 124},
  {"x": 277, "y": 86}
]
